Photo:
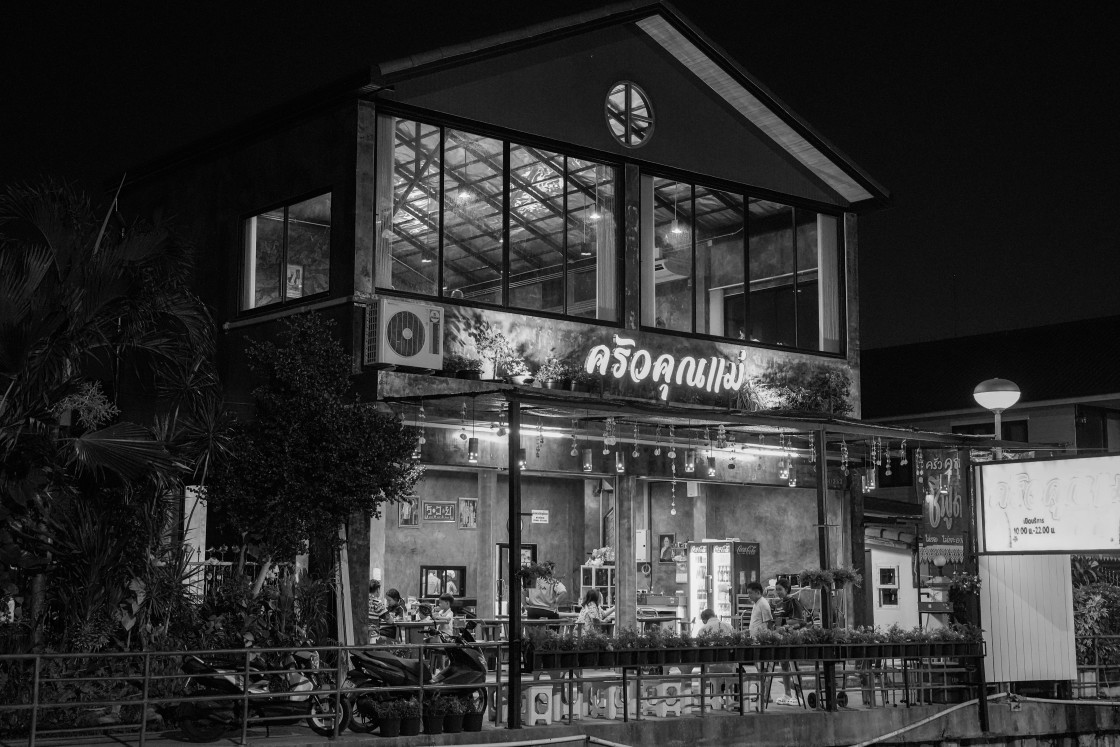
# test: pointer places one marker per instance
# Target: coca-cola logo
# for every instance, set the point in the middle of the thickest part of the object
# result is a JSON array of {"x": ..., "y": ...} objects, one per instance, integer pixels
[{"x": 746, "y": 550}]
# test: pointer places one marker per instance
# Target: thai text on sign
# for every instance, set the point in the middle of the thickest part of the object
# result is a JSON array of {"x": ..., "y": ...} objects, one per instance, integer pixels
[{"x": 711, "y": 374}]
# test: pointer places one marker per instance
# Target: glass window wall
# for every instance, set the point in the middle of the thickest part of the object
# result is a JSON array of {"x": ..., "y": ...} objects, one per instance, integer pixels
[
  {"x": 287, "y": 253},
  {"x": 447, "y": 200}
]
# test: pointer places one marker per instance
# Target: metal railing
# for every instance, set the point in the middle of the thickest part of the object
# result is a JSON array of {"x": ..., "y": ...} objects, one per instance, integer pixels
[
  {"x": 51, "y": 695},
  {"x": 1098, "y": 667}
]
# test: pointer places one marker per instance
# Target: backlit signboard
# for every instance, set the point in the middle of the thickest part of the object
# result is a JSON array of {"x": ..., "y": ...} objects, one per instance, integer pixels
[{"x": 1056, "y": 505}]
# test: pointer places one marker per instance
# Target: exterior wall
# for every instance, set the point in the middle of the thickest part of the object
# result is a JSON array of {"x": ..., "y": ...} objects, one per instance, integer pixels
[
  {"x": 208, "y": 196},
  {"x": 558, "y": 90},
  {"x": 906, "y": 614}
]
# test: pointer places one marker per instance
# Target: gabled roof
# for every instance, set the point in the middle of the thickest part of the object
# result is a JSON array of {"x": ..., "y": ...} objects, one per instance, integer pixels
[
  {"x": 1056, "y": 362},
  {"x": 692, "y": 49}
]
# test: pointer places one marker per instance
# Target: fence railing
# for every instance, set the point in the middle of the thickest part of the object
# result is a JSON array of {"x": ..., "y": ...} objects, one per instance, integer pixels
[
  {"x": 1098, "y": 667},
  {"x": 51, "y": 695}
]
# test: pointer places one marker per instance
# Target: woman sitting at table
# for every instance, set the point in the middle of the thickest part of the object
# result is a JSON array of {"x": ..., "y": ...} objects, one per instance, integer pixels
[
  {"x": 394, "y": 612},
  {"x": 591, "y": 615}
]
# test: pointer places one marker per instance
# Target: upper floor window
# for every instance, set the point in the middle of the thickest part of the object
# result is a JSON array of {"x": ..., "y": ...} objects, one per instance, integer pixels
[
  {"x": 465, "y": 216},
  {"x": 287, "y": 253},
  {"x": 730, "y": 265},
  {"x": 629, "y": 114}
]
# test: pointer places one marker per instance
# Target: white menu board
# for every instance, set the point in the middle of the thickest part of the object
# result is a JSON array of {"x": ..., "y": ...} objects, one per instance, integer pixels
[{"x": 1056, "y": 505}]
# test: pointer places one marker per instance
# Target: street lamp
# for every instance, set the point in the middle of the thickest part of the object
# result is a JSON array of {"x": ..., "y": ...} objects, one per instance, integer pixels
[{"x": 996, "y": 395}]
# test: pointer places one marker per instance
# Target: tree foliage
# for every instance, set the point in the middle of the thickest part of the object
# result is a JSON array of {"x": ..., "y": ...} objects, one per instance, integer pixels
[
  {"x": 91, "y": 305},
  {"x": 313, "y": 455}
]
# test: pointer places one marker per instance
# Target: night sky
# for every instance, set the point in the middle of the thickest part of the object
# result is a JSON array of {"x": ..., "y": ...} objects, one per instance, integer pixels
[{"x": 990, "y": 123}]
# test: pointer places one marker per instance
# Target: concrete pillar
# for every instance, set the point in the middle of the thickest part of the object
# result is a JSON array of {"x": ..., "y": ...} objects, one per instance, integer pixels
[
  {"x": 491, "y": 530},
  {"x": 626, "y": 489}
]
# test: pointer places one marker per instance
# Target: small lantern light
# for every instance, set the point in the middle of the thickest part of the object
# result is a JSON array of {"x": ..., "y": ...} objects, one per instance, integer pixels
[
  {"x": 711, "y": 466},
  {"x": 690, "y": 460},
  {"x": 472, "y": 450},
  {"x": 619, "y": 462},
  {"x": 588, "y": 460},
  {"x": 521, "y": 458}
]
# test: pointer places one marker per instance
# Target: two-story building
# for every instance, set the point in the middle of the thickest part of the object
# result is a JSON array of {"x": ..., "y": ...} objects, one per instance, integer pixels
[{"x": 610, "y": 191}]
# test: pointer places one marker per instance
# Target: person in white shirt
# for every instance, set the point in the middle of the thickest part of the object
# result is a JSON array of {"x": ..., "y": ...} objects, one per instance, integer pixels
[
  {"x": 761, "y": 616},
  {"x": 543, "y": 599},
  {"x": 712, "y": 625},
  {"x": 591, "y": 615}
]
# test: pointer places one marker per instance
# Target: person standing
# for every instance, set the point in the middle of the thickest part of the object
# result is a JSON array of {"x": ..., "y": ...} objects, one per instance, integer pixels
[
  {"x": 790, "y": 614},
  {"x": 761, "y": 616}
]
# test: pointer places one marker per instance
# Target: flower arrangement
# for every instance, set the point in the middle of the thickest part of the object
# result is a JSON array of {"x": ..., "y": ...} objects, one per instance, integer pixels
[
  {"x": 846, "y": 574},
  {"x": 516, "y": 366},
  {"x": 817, "y": 579},
  {"x": 965, "y": 583},
  {"x": 602, "y": 556}
]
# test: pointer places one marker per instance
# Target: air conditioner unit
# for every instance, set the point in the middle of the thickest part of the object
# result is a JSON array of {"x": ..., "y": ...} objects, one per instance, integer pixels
[{"x": 405, "y": 333}]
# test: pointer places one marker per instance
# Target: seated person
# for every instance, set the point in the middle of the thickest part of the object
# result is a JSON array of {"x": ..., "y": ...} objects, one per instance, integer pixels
[
  {"x": 375, "y": 608},
  {"x": 712, "y": 625},
  {"x": 442, "y": 615},
  {"x": 591, "y": 615},
  {"x": 543, "y": 599},
  {"x": 394, "y": 612}
]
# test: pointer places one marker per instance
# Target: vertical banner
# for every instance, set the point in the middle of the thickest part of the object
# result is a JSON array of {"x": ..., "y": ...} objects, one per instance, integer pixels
[{"x": 941, "y": 488}]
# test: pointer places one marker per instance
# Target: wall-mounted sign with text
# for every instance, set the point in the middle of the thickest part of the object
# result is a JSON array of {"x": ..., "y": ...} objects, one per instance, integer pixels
[
  {"x": 1058, "y": 505},
  {"x": 711, "y": 375},
  {"x": 944, "y": 506}
]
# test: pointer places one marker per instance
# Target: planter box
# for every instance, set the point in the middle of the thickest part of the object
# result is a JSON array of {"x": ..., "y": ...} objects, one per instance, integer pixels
[
  {"x": 723, "y": 653},
  {"x": 588, "y": 658},
  {"x": 745, "y": 654},
  {"x": 626, "y": 657},
  {"x": 410, "y": 727},
  {"x": 453, "y": 723},
  {"x": 705, "y": 654},
  {"x": 672, "y": 656},
  {"x": 608, "y": 659},
  {"x": 546, "y": 660},
  {"x": 569, "y": 659},
  {"x": 472, "y": 721}
]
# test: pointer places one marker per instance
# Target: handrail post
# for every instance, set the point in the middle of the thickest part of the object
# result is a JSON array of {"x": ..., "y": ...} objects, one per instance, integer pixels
[
  {"x": 340, "y": 679},
  {"x": 34, "y": 700},
  {"x": 245, "y": 701},
  {"x": 144, "y": 701}
]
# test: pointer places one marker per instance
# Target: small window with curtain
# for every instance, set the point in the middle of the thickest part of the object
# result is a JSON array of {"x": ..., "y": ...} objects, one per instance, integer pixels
[{"x": 287, "y": 253}]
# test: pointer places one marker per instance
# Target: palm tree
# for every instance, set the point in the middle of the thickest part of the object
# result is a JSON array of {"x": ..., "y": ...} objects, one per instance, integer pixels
[{"x": 89, "y": 303}]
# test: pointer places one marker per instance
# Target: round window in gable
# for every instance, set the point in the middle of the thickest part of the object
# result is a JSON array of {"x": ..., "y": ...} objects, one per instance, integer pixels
[{"x": 629, "y": 114}]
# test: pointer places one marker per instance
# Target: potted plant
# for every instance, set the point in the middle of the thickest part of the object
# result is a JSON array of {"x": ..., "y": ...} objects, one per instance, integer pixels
[
  {"x": 542, "y": 649},
  {"x": 462, "y": 366},
  {"x": 583, "y": 381},
  {"x": 456, "y": 709},
  {"x": 491, "y": 344},
  {"x": 554, "y": 374},
  {"x": 388, "y": 717},
  {"x": 474, "y": 710},
  {"x": 626, "y": 645},
  {"x": 531, "y": 572},
  {"x": 434, "y": 712},
  {"x": 518, "y": 370},
  {"x": 767, "y": 642},
  {"x": 410, "y": 717},
  {"x": 817, "y": 579},
  {"x": 568, "y": 646}
]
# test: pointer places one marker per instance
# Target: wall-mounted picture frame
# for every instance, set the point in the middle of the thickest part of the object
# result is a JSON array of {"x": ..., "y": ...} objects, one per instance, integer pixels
[
  {"x": 440, "y": 512},
  {"x": 666, "y": 548},
  {"x": 408, "y": 516},
  {"x": 468, "y": 513}
]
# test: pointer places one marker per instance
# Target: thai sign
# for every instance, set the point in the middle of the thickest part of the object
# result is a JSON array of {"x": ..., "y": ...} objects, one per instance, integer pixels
[
  {"x": 1055, "y": 505},
  {"x": 944, "y": 505},
  {"x": 707, "y": 374}
]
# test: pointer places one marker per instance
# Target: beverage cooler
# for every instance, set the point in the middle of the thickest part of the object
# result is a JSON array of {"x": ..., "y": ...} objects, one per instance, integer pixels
[{"x": 718, "y": 574}]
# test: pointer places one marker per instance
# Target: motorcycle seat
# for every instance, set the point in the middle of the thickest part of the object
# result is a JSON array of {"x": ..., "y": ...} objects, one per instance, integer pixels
[{"x": 380, "y": 662}]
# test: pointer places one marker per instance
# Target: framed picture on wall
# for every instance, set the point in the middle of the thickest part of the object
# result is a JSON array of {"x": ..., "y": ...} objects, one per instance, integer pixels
[
  {"x": 666, "y": 548},
  {"x": 468, "y": 513},
  {"x": 440, "y": 511},
  {"x": 407, "y": 515},
  {"x": 608, "y": 528}
]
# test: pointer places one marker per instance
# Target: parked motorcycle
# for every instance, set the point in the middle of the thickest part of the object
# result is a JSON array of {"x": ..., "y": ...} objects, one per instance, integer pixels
[
  {"x": 207, "y": 720},
  {"x": 379, "y": 668}
]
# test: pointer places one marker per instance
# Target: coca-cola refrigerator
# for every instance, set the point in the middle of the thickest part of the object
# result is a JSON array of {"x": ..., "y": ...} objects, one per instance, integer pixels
[{"x": 718, "y": 574}]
